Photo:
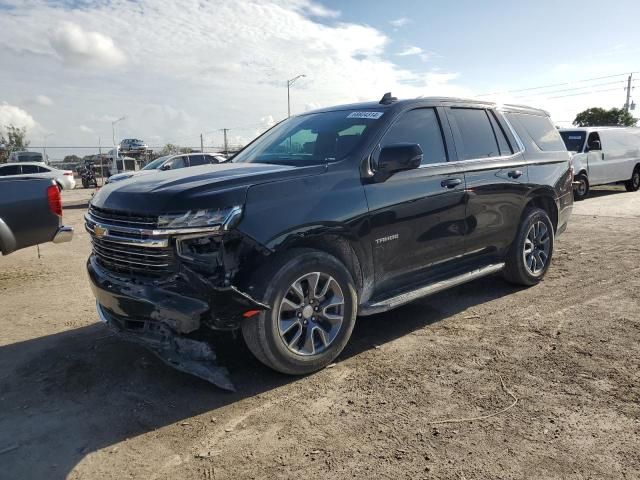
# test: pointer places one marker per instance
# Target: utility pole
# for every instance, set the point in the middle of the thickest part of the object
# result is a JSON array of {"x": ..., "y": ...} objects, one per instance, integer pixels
[
  {"x": 289, "y": 83},
  {"x": 226, "y": 145},
  {"x": 201, "y": 144},
  {"x": 628, "y": 102}
]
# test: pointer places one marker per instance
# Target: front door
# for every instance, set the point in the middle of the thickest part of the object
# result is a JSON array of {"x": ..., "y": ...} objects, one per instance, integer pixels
[{"x": 417, "y": 215}]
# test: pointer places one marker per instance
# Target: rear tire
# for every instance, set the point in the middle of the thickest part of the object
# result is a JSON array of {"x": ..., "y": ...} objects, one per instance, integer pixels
[
  {"x": 581, "y": 191},
  {"x": 633, "y": 184},
  {"x": 313, "y": 311},
  {"x": 530, "y": 254}
]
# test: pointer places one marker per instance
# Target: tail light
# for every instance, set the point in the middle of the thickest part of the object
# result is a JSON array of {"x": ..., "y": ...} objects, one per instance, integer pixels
[
  {"x": 68, "y": 174},
  {"x": 55, "y": 201}
]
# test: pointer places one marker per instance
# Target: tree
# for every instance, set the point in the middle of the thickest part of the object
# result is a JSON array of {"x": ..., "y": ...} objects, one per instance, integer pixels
[
  {"x": 169, "y": 149},
  {"x": 597, "y": 116},
  {"x": 15, "y": 141},
  {"x": 71, "y": 159}
]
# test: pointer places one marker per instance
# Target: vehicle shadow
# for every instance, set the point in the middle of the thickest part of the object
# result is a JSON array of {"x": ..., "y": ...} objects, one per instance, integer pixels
[
  {"x": 66, "y": 395},
  {"x": 602, "y": 192}
]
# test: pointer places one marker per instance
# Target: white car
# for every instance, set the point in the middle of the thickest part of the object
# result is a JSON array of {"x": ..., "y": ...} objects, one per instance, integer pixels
[{"x": 64, "y": 178}]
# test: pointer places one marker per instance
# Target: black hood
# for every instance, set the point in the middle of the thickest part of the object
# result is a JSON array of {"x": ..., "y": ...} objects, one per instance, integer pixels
[{"x": 207, "y": 186}]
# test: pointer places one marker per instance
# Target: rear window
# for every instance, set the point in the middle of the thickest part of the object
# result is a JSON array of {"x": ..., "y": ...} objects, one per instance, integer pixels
[
  {"x": 573, "y": 140},
  {"x": 539, "y": 130}
]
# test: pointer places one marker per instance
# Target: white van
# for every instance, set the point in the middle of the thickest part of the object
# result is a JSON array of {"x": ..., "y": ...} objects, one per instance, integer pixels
[{"x": 603, "y": 155}]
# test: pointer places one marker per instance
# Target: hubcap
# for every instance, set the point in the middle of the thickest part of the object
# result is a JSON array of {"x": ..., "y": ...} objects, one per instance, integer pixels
[
  {"x": 311, "y": 314},
  {"x": 582, "y": 188},
  {"x": 537, "y": 246}
]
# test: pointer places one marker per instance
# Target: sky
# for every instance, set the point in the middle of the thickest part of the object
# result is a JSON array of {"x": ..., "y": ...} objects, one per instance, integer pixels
[{"x": 175, "y": 69}]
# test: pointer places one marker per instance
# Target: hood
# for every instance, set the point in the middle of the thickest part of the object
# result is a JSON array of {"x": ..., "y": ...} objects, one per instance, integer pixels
[{"x": 207, "y": 186}]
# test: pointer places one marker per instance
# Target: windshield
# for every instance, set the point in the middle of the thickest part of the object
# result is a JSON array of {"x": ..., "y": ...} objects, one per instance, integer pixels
[
  {"x": 573, "y": 140},
  {"x": 311, "y": 139},
  {"x": 156, "y": 163}
]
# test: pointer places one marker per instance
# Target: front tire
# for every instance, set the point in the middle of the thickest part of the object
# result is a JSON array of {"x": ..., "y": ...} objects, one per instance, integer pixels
[
  {"x": 633, "y": 184},
  {"x": 582, "y": 190},
  {"x": 313, "y": 311},
  {"x": 530, "y": 254}
]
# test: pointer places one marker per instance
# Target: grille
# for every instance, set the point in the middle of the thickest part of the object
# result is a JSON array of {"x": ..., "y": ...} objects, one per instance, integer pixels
[
  {"x": 122, "y": 218},
  {"x": 121, "y": 248}
]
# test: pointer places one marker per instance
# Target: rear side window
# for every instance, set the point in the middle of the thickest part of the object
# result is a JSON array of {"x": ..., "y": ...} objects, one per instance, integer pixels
[
  {"x": 539, "y": 130},
  {"x": 195, "y": 160},
  {"x": 419, "y": 126},
  {"x": 30, "y": 169},
  {"x": 10, "y": 170},
  {"x": 476, "y": 133},
  {"x": 177, "y": 162}
]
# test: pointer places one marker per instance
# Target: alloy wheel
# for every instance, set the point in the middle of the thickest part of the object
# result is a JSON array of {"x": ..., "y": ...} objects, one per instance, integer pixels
[
  {"x": 311, "y": 314},
  {"x": 537, "y": 245}
]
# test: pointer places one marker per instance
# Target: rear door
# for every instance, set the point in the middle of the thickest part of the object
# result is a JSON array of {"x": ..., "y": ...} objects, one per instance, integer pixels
[
  {"x": 417, "y": 215},
  {"x": 496, "y": 180},
  {"x": 598, "y": 172}
]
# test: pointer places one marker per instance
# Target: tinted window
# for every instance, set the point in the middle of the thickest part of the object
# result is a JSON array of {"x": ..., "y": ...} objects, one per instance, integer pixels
[
  {"x": 591, "y": 141},
  {"x": 10, "y": 170},
  {"x": 29, "y": 169},
  {"x": 476, "y": 133},
  {"x": 195, "y": 160},
  {"x": 539, "y": 129},
  {"x": 573, "y": 140},
  {"x": 419, "y": 126},
  {"x": 503, "y": 144}
]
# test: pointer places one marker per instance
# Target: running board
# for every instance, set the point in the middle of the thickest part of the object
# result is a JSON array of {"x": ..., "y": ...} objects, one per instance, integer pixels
[{"x": 406, "y": 297}]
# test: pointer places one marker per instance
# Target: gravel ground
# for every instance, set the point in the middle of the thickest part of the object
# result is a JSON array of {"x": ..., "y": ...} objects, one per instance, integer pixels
[{"x": 405, "y": 400}]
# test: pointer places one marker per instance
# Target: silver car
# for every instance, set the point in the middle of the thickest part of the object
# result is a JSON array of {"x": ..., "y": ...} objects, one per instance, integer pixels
[
  {"x": 171, "y": 162},
  {"x": 133, "y": 145}
]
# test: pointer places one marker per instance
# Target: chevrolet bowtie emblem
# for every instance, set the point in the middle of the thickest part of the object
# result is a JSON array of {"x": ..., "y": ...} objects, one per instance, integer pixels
[{"x": 99, "y": 231}]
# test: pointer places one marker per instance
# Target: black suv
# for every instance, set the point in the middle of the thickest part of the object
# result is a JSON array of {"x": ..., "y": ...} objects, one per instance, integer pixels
[{"x": 346, "y": 211}]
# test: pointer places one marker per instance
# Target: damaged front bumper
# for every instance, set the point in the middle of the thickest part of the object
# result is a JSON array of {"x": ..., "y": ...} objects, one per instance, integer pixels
[{"x": 166, "y": 317}]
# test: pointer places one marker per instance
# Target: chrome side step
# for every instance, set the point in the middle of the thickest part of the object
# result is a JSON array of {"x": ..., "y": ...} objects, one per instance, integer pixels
[{"x": 406, "y": 297}]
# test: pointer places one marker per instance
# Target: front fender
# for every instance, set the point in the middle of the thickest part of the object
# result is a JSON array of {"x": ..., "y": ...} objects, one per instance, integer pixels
[{"x": 580, "y": 163}]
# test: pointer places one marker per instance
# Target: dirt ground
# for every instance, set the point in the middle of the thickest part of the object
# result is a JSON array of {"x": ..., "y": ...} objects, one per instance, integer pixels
[{"x": 78, "y": 403}]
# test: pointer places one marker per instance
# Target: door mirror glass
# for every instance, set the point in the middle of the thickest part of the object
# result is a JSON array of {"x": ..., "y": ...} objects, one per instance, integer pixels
[
  {"x": 397, "y": 158},
  {"x": 166, "y": 166}
]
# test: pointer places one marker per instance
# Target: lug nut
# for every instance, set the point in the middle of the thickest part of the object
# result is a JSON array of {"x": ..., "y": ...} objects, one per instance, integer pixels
[
  {"x": 316, "y": 309},
  {"x": 299, "y": 315}
]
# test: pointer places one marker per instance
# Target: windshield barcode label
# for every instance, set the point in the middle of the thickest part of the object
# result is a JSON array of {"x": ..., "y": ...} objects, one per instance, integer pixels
[{"x": 372, "y": 115}]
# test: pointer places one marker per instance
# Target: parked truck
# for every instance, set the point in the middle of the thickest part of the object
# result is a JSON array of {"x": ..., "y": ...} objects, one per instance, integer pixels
[{"x": 30, "y": 213}]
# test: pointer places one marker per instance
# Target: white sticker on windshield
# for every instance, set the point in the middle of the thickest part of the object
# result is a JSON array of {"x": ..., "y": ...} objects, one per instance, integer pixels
[{"x": 372, "y": 115}]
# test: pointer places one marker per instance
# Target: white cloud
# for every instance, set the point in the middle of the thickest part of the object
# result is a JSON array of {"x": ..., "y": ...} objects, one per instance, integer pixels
[
  {"x": 400, "y": 22},
  {"x": 193, "y": 67},
  {"x": 43, "y": 101},
  {"x": 78, "y": 47},
  {"x": 85, "y": 129},
  {"x": 409, "y": 51},
  {"x": 16, "y": 116}
]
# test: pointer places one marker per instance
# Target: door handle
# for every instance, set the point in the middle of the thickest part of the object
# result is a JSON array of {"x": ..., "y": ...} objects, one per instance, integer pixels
[
  {"x": 515, "y": 173},
  {"x": 451, "y": 182}
]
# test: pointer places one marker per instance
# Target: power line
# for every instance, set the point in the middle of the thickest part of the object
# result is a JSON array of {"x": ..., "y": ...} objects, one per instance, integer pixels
[
  {"x": 540, "y": 87},
  {"x": 587, "y": 93},
  {"x": 616, "y": 82}
]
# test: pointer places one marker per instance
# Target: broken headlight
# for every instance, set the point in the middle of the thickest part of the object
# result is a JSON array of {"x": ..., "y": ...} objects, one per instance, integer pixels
[
  {"x": 201, "y": 249},
  {"x": 227, "y": 217}
]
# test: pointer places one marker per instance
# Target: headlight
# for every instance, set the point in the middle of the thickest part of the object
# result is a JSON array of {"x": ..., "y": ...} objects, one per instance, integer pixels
[{"x": 227, "y": 217}]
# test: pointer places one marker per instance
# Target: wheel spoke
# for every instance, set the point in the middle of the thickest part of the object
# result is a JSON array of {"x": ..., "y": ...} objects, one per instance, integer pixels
[
  {"x": 290, "y": 305},
  {"x": 293, "y": 343},
  {"x": 322, "y": 335},
  {"x": 312, "y": 282},
  {"x": 308, "y": 346},
  {"x": 287, "y": 325}
]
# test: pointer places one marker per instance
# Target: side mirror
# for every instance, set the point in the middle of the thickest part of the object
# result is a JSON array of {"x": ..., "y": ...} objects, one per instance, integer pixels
[
  {"x": 397, "y": 158},
  {"x": 166, "y": 166},
  {"x": 595, "y": 145}
]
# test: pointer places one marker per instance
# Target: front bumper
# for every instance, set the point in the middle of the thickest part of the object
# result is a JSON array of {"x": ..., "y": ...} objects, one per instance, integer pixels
[{"x": 167, "y": 318}]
